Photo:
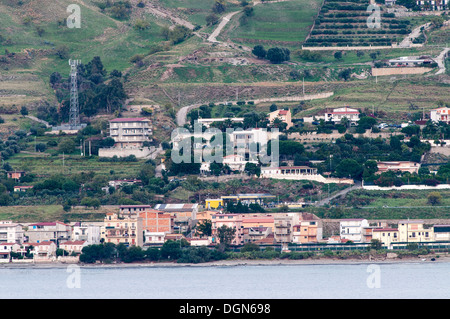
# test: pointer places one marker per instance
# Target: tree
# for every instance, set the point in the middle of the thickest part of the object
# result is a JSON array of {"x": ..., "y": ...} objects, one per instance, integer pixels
[
  {"x": 171, "y": 250},
  {"x": 349, "y": 168},
  {"x": 219, "y": 6},
  {"x": 211, "y": 19},
  {"x": 24, "y": 111},
  {"x": 179, "y": 33},
  {"x": 55, "y": 78},
  {"x": 259, "y": 51},
  {"x": 278, "y": 55},
  {"x": 66, "y": 146},
  {"x": 345, "y": 74},
  {"x": 205, "y": 228},
  {"x": 338, "y": 55},
  {"x": 434, "y": 198},
  {"x": 252, "y": 169},
  {"x": 91, "y": 202},
  {"x": 226, "y": 235},
  {"x": 376, "y": 244}
]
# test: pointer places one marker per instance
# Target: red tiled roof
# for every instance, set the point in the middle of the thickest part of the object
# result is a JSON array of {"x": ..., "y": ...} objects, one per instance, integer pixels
[{"x": 76, "y": 242}]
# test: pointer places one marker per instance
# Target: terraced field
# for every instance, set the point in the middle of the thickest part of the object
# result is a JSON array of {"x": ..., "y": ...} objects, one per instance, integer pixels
[{"x": 348, "y": 23}]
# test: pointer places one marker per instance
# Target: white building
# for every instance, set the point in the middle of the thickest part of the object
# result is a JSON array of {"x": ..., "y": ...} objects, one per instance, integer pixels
[
  {"x": 433, "y": 5},
  {"x": 44, "y": 249},
  {"x": 88, "y": 232},
  {"x": 129, "y": 135},
  {"x": 441, "y": 114},
  {"x": 235, "y": 162},
  {"x": 154, "y": 237},
  {"x": 410, "y": 61},
  {"x": 11, "y": 232},
  {"x": 5, "y": 251},
  {"x": 208, "y": 122},
  {"x": 338, "y": 114},
  {"x": 353, "y": 229}
]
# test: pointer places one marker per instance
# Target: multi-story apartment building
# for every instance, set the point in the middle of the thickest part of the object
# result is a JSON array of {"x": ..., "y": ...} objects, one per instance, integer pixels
[
  {"x": 122, "y": 230},
  {"x": 386, "y": 236},
  {"x": 11, "y": 232},
  {"x": 133, "y": 210},
  {"x": 308, "y": 231},
  {"x": 157, "y": 221},
  {"x": 228, "y": 220},
  {"x": 414, "y": 231},
  {"x": 88, "y": 232},
  {"x": 184, "y": 215},
  {"x": 48, "y": 231},
  {"x": 353, "y": 229},
  {"x": 433, "y": 5},
  {"x": 130, "y": 136},
  {"x": 130, "y": 132}
]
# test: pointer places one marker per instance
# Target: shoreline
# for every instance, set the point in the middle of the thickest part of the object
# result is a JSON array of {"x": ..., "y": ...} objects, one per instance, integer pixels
[{"x": 235, "y": 263}]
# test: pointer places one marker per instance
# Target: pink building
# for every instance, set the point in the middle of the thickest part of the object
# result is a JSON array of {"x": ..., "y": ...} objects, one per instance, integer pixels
[{"x": 228, "y": 220}]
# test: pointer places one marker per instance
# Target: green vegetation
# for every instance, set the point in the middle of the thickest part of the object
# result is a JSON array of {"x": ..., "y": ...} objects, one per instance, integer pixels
[
  {"x": 283, "y": 23},
  {"x": 182, "y": 252},
  {"x": 343, "y": 23}
]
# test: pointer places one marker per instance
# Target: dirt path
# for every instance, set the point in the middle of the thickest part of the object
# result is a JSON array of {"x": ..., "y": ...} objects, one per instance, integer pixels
[
  {"x": 222, "y": 24},
  {"x": 407, "y": 41},
  {"x": 440, "y": 60},
  {"x": 166, "y": 14}
]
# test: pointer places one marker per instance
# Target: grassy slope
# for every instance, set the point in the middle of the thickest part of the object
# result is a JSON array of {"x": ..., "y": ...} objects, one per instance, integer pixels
[
  {"x": 284, "y": 22},
  {"x": 100, "y": 35}
]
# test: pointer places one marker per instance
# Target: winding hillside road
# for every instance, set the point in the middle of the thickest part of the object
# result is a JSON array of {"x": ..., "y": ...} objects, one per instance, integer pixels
[
  {"x": 440, "y": 60},
  {"x": 182, "y": 113}
]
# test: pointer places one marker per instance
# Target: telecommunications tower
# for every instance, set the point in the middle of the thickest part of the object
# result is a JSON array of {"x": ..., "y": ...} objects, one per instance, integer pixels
[{"x": 74, "y": 115}]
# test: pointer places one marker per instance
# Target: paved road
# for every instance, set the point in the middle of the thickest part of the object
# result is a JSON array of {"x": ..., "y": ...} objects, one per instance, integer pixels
[{"x": 182, "y": 113}]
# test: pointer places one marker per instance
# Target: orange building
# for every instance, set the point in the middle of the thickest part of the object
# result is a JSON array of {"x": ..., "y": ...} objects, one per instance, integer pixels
[{"x": 156, "y": 221}]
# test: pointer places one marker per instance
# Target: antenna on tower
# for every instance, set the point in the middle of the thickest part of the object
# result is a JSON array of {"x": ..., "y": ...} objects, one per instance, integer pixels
[{"x": 74, "y": 115}]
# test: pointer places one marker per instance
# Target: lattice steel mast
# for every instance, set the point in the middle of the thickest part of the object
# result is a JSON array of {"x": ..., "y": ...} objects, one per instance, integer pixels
[{"x": 74, "y": 115}]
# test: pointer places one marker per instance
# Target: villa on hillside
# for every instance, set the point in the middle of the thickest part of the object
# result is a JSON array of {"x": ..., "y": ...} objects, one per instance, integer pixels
[
  {"x": 336, "y": 115},
  {"x": 441, "y": 114},
  {"x": 283, "y": 115},
  {"x": 402, "y": 166}
]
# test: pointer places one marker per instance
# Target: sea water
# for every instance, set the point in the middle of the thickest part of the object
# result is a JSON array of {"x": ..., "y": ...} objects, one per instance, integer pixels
[{"x": 356, "y": 281}]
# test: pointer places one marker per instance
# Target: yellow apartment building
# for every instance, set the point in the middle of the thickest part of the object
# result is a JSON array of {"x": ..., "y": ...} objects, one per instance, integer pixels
[
  {"x": 126, "y": 230},
  {"x": 413, "y": 231}
]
